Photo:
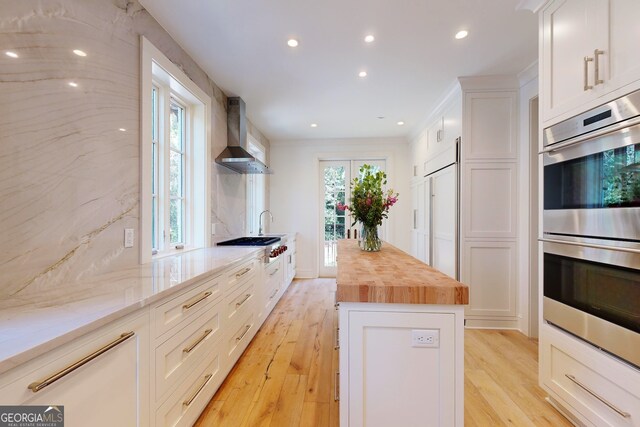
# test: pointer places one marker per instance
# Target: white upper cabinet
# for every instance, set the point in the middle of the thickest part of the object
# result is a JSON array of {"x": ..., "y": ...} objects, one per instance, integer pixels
[{"x": 588, "y": 54}]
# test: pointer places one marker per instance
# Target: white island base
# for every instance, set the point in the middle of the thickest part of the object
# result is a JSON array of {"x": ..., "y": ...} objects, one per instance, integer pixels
[{"x": 401, "y": 365}]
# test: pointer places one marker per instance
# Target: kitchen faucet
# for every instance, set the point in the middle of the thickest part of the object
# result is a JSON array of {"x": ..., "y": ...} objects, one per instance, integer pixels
[{"x": 260, "y": 221}]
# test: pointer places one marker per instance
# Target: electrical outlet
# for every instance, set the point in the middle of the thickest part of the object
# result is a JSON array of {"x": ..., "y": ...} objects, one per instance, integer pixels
[
  {"x": 128, "y": 237},
  {"x": 425, "y": 338}
]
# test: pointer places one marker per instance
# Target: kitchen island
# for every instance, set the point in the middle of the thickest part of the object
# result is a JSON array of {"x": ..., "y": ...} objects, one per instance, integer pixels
[{"x": 401, "y": 340}]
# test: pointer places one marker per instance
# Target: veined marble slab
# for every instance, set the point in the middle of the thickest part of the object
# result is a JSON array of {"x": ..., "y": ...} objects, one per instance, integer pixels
[{"x": 32, "y": 326}]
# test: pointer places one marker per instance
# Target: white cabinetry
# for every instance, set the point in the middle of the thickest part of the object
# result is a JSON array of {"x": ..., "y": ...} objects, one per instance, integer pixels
[
  {"x": 588, "y": 54},
  {"x": 109, "y": 388},
  {"x": 593, "y": 386},
  {"x": 385, "y": 379}
]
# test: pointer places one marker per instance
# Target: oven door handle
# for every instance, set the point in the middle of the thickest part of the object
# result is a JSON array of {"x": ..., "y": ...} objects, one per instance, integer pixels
[
  {"x": 591, "y": 135},
  {"x": 591, "y": 245}
]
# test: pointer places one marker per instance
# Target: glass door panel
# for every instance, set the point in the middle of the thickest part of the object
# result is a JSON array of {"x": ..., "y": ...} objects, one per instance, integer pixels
[{"x": 335, "y": 182}]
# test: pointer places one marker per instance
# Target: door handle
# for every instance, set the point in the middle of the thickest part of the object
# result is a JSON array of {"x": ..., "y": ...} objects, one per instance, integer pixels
[
  {"x": 596, "y": 64},
  {"x": 587, "y": 86}
]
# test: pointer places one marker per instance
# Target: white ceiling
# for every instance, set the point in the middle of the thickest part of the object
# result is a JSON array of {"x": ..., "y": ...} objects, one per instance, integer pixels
[{"x": 242, "y": 45}]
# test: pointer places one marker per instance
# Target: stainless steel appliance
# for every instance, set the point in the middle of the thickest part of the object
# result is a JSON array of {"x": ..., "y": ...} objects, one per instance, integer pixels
[
  {"x": 591, "y": 227},
  {"x": 592, "y": 173},
  {"x": 274, "y": 246}
]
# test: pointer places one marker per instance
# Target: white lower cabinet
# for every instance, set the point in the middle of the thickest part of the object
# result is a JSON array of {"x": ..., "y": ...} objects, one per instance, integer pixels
[
  {"x": 595, "y": 388},
  {"x": 387, "y": 378},
  {"x": 109, "y": 388}
]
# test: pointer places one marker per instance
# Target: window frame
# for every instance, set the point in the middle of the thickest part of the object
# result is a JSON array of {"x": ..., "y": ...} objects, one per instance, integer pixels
[
  {"x": 173, "y": 84},
  {"x": 254, "y": 182}
]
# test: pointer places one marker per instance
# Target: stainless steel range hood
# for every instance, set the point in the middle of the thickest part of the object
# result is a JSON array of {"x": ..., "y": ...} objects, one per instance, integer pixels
[{"x": 236, "y": 156}]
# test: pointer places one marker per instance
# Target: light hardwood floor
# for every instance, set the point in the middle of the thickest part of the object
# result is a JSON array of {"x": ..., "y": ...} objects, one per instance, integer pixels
[{"x": 285, "y": 377}]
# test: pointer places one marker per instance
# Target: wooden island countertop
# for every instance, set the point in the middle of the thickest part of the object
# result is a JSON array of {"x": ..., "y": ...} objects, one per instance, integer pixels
[{"x": 392, "y": 276}]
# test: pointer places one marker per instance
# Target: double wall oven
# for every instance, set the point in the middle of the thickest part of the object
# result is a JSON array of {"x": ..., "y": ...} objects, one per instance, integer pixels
[{"x": 591, "y": 227}]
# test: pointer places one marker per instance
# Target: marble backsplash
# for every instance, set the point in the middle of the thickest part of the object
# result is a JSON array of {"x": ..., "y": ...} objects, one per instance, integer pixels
[{"x": 69, "y": 140}]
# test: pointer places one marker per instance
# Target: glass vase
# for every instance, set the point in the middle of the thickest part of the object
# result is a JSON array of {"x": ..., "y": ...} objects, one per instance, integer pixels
[{"x": 369, "y": 240}]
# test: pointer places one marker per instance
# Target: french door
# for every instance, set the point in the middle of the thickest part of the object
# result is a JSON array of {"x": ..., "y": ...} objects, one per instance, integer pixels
[{"x": 335, "y": 179}]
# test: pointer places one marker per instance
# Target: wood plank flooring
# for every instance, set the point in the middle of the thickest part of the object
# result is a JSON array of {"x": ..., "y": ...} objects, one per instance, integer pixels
[{"x": 285, "y": 377}]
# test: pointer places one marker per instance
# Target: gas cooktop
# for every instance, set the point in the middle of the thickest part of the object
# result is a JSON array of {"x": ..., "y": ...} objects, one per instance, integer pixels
[{"x": 250, "y": 241}]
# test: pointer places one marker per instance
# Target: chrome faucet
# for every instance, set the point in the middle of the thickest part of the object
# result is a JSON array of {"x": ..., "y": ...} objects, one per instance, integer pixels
[{"x": 260, "y": 221}]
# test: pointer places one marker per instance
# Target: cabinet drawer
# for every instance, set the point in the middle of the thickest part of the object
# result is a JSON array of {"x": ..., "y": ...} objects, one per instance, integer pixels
[
  {"x": 241, "y": 274},
  {"x": 177, "y": 356},
  {"x": 239, "y": 302},
  {"x": 606, "y": 392},
  {"x": 240, "y": 337},
  {"x": 186, "y": 305},
  {"x": 184, "y": 406}
]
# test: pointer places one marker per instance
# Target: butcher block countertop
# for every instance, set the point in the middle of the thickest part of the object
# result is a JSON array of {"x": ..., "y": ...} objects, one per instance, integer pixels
[{"x": 394, "y": 277}]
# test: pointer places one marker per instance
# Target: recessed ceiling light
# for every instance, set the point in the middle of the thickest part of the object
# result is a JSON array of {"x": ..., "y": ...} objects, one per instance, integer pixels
[
  {"x": 362, "y": 74},
  {"x": 462, "y": 34},
  {"x": 11, "y": 54},
  {"x": 369, "y": 38},
  {"x": 400, "y": 123},
  {"x": 122, "y": 130},
  {"x": 381, "y": 117},
  {"x": 73, "y": 84},
  {"x": 292, "y": 42},
  {"x": 79, "y": 52},
  {"x": 314, "y": 125}
]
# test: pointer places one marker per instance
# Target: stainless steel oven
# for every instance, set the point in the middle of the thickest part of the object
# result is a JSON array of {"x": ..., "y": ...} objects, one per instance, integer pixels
[
  {"x": 592, "y": 173},
  {"x": 591, "y": 226},
  {"x": 593, "y": 292}
]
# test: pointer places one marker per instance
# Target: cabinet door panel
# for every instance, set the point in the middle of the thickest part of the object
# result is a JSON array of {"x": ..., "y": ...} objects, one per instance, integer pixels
[
  {"x": 622, "y": 58},
  {"x": 391, "y": 382},
  {"x": 443, "y": 225},
  {"x": 572, "y": 30}
]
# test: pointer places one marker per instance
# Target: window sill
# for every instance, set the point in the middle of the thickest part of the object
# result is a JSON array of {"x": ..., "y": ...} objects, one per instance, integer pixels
[{"x": 173, "y": 252}]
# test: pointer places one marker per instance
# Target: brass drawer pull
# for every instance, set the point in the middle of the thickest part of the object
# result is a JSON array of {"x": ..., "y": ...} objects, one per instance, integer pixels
[
  {"x": 244, "y": 333},
  {"x": 587, "y": 86},
  {"x": 601, "y": 399},
  {"x": 243, "y": 272},
  {"x": 39, "y": 385},
  {"x": 246, "y": 297},
  {"x": 198, "y": 341},
  {"x": 337, "y": 346},
  {"x": 274, "y": 272},
  {"x": 596, "y": 63},
  {"x": 274, "y": 293},
  {"x": 196, "y": 300},
  {"x": 336, "y": 389},
  {"x": 194, "y": 395}
]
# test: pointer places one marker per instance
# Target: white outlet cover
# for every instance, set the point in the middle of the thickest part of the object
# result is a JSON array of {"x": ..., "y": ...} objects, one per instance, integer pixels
[
  {"x": 128, "y": 237},
  {"x": 425, "y": 338}
]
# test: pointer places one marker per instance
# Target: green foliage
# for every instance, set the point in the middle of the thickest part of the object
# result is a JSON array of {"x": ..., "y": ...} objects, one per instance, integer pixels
[{"x": 369, "y": 203}]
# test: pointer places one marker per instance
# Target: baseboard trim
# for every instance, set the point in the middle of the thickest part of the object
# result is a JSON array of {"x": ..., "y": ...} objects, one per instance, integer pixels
[{"x": 492, "y": 324}]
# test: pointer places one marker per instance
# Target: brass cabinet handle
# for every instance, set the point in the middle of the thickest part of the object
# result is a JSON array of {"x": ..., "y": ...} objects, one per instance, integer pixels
[
  {"x": 39, "y": 385},
  {"x": 196, "y": 300},
  {"x": 244, "y": 333},
  {"x": 586, "y": 73},
  {"x": 246, "y": 297},
  {"x": 197, "y": 392},
  {"x": 337, "y": 345},
  {"x": 196, "y": 342},
  {"x": 274, "y": 272},
  {"x": 601, "y": 399},
  {"x": 274, "y": 293},
  {"x": 336, "y": 389},
  {"x": 596, "y": 63},
  {"x": 243, "y": 272}
]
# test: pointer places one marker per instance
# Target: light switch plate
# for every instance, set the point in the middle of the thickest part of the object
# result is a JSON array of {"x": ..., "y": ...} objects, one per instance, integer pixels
[{"x": 129, "y": 235}]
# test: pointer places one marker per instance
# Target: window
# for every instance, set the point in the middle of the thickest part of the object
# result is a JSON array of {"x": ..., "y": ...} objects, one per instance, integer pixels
[
  {"x": 174, "y": 159},
  {"x": 256, "y": 184}
]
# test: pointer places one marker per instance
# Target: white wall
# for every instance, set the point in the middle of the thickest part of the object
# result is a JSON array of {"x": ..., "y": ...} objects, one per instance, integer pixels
[{"x": 295, "y": 189}]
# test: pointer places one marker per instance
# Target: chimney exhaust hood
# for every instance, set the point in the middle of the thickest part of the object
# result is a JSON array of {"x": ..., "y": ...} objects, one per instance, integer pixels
[{"x": 236, "y": 156}]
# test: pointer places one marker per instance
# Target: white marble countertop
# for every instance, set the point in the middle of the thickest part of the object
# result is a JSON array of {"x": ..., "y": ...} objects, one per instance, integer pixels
[{"x": 31, "y": 326}]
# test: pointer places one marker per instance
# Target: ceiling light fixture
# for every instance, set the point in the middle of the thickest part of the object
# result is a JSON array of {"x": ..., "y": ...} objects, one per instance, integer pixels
[
  {"x": 400, "y": 123},
  {"x": 73, "y": 84},
  {"x": 369, "y": 38},
  {"x": 314, "y": 125},
  {"x": 11, "y": 54},
  {"x": 79, "y": 52},
  {"x": 462, "y": 34},
  {"x": 122, "y": 130},
  {"x": 362, "y": 74},
  {"x": 292, "y": 43}
]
